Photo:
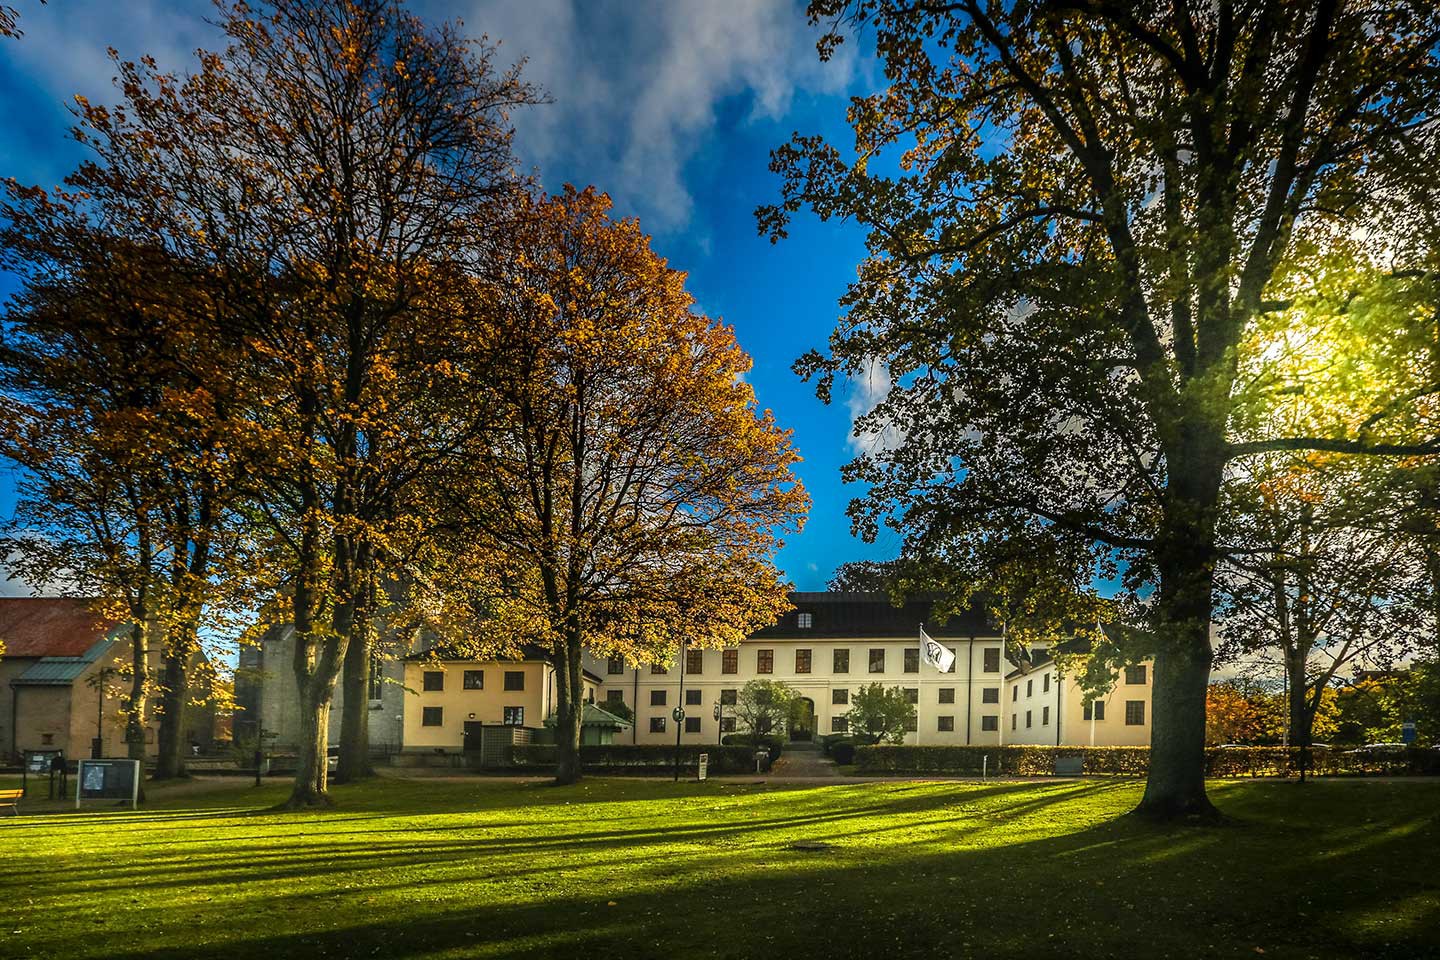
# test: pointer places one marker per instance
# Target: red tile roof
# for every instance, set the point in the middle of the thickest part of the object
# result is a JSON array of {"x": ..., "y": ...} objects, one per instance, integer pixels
[{"x": 48, "y": 626}]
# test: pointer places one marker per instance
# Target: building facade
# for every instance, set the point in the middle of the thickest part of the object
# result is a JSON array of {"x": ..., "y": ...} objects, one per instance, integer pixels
[{"x": 832, "y": 644}]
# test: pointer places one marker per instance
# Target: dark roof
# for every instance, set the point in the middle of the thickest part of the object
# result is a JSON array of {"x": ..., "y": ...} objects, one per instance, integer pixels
[
  {"x": 61, "y": 671},
  {"x": 871, "y": 615},
  {"x": 49, "y": 626}
]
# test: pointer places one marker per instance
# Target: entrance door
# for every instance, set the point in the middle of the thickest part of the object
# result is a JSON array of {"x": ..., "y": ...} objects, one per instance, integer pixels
[
  {"x": 802, "y": 719},
  {"x": 473, "y": 730}
]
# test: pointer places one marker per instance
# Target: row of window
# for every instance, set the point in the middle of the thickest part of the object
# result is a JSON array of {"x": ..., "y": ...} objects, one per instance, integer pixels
[
  {"x": 804, "y": 660},
  {"x": 435, "y": 716},
  {"x": 839, "y": 696},
  {"x": 434, "y": 680}
]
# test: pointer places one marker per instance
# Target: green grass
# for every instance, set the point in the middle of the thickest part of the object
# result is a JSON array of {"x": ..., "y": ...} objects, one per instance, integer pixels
[{"x": 636, "y": 869}]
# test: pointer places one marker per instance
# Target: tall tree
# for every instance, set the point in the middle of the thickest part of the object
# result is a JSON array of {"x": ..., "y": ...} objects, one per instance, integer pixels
[
  {"x": 332, "y": 168},
  {"x": 1076, "y": 213},
  {"x": 629, "y": 495}
]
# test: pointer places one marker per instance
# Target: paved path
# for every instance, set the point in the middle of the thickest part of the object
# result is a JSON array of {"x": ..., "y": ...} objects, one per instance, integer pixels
[{"x": 802, "y": 761}]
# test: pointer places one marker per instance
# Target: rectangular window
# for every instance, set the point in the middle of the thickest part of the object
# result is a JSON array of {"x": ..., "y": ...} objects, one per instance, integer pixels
[
  {"x": 1086, "y": 711},
  {"x": 657, "y": 724},
  {"x": 945, "y": 724},
  {"x": 514, "y": 679},
  {"x": 1135, "y": 676},
  {"x": 877, "y": 659},
  {"x": 658, "y": 668},
  {"x": 989, "y": 722},
  {"x": 1099, "y": 709},
  {"x": 434, "y": 680},
  {"x": 947, "y": 694},
  {"x": 514, "y": 716},
  {"x": 1134, "y": 713},
  {"x": 1013, "y": 718},
  {"x": 912, "y": 659},
  {"x": 432, "y": 716},
  {"x": 474, "y": 679},
  {"x": 989, "y": 694},
  {"x": 910, "y": 725},
  {"x": 802, "y": 661},
  {"x": 727, "y": 724},
  {"x": 692, "y": 698},
  {"x": 657, "y": 698},
  {"x": 1030, "y": 687},
  {"x": 695, "y": 662},
  {"x": 764, "y": 661},
  {"x": 727, "y": 697},
  {"x": 377, "y": 679},
  {"x": 1045, "y": 683},
  {"x": 804, "y": 620},
  {"x": 614, "y": 696},
  {"x": 1029, "y": 719},
  {"x": 1015, "y": 693},
  {"x": 692, "y": 724},
  {"x": 840, "y": 696},
  {"x": 992, "y": 659},
  {"x": 615, "y": 666},
  {"x": 912, "y": 694},
  {"x": 840, "y": 660},
  {"x": 729, "y": 661},
  {"x": 839, "y": 724},
  {"x": 1044, "y": 716}
]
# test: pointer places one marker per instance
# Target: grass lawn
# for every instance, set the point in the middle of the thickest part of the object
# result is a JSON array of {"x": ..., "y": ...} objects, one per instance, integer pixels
[{"x": 636, "y": 869}]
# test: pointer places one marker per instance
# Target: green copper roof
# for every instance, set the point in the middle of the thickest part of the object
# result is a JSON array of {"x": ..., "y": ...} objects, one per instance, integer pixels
[{"x": 61, "y": 671}]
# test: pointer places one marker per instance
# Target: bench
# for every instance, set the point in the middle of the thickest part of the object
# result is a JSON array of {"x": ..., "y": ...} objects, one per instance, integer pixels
[
  {"x": 1069, "y": 766},
  {"x": 11, "y": 799}
]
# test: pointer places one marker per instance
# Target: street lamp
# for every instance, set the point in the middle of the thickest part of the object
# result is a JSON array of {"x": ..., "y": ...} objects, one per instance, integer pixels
[{"x": 719, "y": 714}]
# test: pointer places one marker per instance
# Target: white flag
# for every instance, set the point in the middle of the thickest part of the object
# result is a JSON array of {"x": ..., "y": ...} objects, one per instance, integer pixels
[{"x": 936, "y": 655}]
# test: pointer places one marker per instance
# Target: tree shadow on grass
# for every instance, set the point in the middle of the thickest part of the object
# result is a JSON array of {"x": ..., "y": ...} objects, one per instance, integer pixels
[{"x": 1113, "y": 888}]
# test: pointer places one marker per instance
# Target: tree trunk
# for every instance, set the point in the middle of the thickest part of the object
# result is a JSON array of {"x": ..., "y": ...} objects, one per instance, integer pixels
[
  {"x": 311, "y": 773},
  {"x": 174, "y": 697},
  {"x": 135, "y": 700},
  {"x": 1175, "y": 786},
  {"x": 569, "y": 708},
  {"x": 354, "y": 763}
]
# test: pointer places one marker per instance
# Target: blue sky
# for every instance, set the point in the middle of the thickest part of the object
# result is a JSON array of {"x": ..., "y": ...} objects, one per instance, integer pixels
[{"x": 671, "y": 106}]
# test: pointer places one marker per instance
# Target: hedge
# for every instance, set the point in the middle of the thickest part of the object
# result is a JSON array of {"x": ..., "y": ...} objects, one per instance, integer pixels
[
  {"x": 1031, "y": 761},
  {"x": 638, "y": 758}
]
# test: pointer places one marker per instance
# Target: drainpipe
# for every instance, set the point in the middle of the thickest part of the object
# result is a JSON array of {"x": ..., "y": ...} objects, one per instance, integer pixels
[
  {"x": 969, "y": 688},
  {"x": 635, "y": 719}
]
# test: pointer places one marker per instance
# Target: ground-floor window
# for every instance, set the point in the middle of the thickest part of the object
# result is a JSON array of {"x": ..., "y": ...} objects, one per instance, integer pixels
[
  {"x": 657, "y": 724},
  {"x": 1134, "y": 713},
  {"x": 514, "y": 716},
  {"x": 692, "y": 698},
  {"x": 614, "y": 696},
  {"x": 692, "y": 724},
  {"x": 839, "y": 724},
  {"x": 840, "y": 696},
  {"x": 1029, "y": 719},
  {"x": 989, "y": 722},
  {"x": 727, "y": 697},
  {"x": 1045, "y": 717},
  {"x": 945, "y": 724},
  {"x": 1095, "y": 710},
  {"x": 432, "y": 716},
  {"x": 727, "y": 724},
  {"x": 910, "y": 725}
]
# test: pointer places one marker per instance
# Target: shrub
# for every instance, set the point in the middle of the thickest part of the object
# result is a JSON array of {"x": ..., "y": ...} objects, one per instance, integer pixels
[
  {"x": 637, "y": 758},
  {"x": 843, "y": 752},
  {"x": 772, "y": 743}
]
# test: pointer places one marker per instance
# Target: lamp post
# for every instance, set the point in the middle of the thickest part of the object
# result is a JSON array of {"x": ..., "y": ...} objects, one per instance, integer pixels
[
  {"x": 719, "y": 714},
  {"x": 679, "y": 712}
]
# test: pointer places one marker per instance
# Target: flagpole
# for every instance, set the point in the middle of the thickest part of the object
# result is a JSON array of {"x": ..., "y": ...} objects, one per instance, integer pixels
[{"x": 919, "y": 685}]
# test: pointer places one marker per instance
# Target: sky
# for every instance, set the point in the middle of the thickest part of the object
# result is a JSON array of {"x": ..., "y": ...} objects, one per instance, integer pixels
[{"x": 670, "y": 106}]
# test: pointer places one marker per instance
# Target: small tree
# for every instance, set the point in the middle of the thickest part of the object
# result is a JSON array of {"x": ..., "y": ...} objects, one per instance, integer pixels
[
  {"x": 881, "y": 711},
  {"x": 763, "y": 706}
]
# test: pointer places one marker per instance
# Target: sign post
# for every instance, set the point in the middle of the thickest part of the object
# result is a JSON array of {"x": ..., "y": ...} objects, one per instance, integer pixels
[
  {"x": 108, "y": 780},
  {"x": 704, "y": 766},
  {"x": 1407, "y": 732}
]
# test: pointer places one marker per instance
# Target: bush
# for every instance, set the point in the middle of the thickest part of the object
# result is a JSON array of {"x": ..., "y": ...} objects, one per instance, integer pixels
[
  {"x": 637, "y": 758},
  {"x": 844, "y": 753},
  {"x": 772, "y": 743},
  {"x": 1031, "y": 761}
]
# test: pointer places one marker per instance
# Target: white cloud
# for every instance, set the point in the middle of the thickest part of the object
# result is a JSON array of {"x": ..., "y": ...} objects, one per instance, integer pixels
[
  {"x": 637, "y": 83},
  {"x": 867, "y": 391}
]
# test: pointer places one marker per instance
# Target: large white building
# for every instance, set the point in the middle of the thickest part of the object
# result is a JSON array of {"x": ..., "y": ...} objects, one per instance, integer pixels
[
  {"x": 832, "y": 644},
  {"x": 828, "y": 647}
]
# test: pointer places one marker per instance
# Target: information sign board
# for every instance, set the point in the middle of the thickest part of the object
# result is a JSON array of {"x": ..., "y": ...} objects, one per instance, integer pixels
[{"x": 108, "y": 780}]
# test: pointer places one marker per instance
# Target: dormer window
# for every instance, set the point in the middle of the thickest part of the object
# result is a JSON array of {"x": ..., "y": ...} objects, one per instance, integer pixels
[{"x": 804, "y": 620}]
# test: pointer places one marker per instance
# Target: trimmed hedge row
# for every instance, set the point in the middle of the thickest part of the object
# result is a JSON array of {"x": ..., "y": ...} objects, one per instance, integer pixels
[
  {"x": 1034, "y": 761},
  {"x": 637, "y": 758}
]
